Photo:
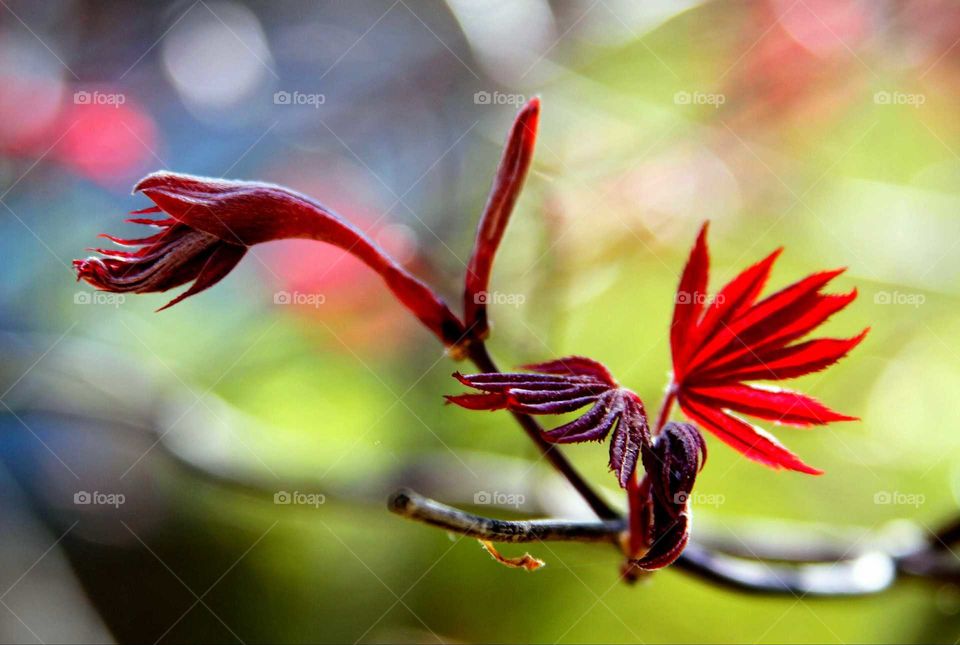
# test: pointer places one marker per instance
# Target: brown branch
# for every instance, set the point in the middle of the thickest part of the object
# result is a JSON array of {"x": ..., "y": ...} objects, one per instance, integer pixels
[
  {"x": 414, "y": 506},
  {"x": 850, "y": 574}
]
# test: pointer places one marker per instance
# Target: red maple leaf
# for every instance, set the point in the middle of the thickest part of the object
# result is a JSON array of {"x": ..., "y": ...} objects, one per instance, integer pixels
[
  {"x": 719, "y": 342},
  {"x": 565, "y": 385}
]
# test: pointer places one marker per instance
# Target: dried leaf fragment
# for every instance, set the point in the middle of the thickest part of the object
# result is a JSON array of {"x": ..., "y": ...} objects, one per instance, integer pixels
[{"x": 525, "y": 561}]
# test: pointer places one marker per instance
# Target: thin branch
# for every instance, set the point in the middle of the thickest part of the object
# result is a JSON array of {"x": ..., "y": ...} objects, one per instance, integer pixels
[
  {"x": 414, "y": 506},
  {"x": 863, "y": 575},
  {"x": 851, "y": 574}
]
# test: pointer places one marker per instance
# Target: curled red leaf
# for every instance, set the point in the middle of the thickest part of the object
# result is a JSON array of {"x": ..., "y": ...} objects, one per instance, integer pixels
[
  {"x": 660, "y": 505},
  {"x": 210, "y": 223}
]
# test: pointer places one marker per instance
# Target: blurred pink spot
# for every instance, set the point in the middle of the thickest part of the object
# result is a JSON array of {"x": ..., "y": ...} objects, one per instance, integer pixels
[
  {"x": 825, "y": 27},
  {"x": 109, "y": 144},
  {"x": 102, "y": 135}
]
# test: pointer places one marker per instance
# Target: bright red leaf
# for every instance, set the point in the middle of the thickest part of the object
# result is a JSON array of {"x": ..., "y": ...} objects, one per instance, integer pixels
[{"x": 719, "y": 342}]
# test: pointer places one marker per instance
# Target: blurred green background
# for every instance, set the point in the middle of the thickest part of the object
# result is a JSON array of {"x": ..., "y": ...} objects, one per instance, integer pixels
[{"x": 827, "y": 127}]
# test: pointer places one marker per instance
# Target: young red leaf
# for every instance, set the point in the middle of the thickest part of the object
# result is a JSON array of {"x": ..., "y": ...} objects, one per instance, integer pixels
[
  {"x": 732, "y": 300},
  {"x": 739, "y": 338},
  {"x": 566, "y": 385},
  {"x": 660, "y": 504},
  {"x": 209, "y": 225},
  {"x": 787, "y": 362},
  {"x": 753, "y": 442},
  {"x": 691, "y": 294},
  {"x": 672, "y": 462},
  {"x": 507, "y": 183},
  {"x": 761, "y": 321},
  {"x": 575, "y": 365},
  {"x": 782, "y": 406}
]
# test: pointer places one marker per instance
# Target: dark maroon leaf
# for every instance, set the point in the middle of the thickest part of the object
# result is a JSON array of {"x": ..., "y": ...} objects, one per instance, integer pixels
[{"x": 566, "y": 385}]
